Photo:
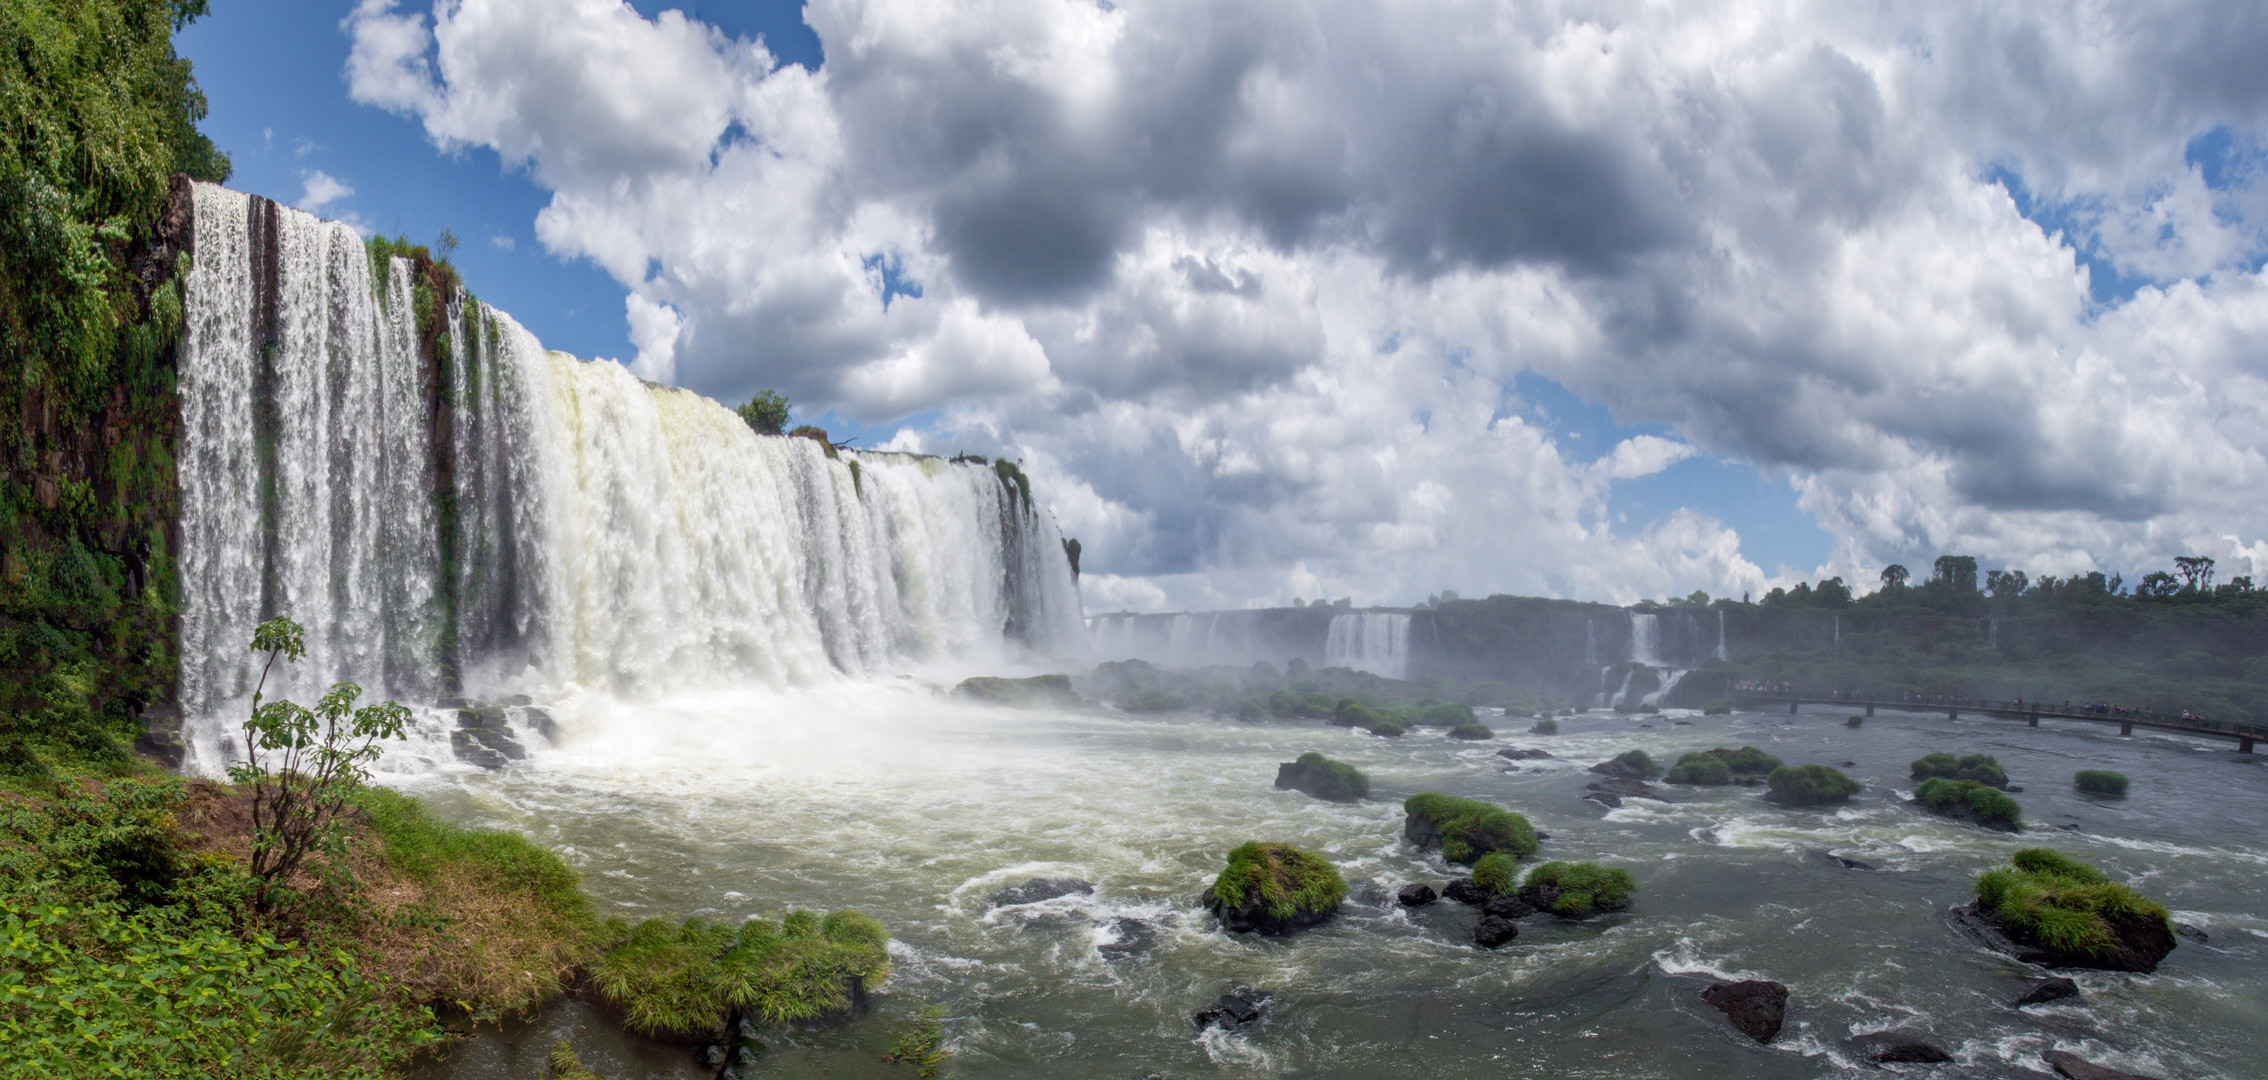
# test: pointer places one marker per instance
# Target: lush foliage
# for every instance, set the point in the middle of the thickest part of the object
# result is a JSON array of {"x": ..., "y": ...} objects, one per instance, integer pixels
[
  {"x": 1497, "y": 872},
  {"x": 1471, "y": 731},
  {"x": 1639, "y": 760},
  {"x": 1854, "y": 722},
  {"x": 1470, "y": 829},
  {"x": 1284, "y": 882},
  {"x": 1702, "y": 768},
  {"x": 1545, "y": 726},
  {"x": 697, "y": 980},
  {"x": 1981, "y": 803},
  {"x": 2099, "y": 782},
  {"x": 766, "y": 413},
  {"x": 2060, "y": 902},
  {"x": 1978, "y": 767},
  {"x": 1810, "y": 785},
  {"x": 923, "y": 1045},
  {"x": 1336, "y": 779},
  {"x": 1448, "y": 714},
  {"x": 1585, "y": 889}
]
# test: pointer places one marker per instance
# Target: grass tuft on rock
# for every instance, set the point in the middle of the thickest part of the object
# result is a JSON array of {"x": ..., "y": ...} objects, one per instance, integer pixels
[
  {"x": 1467, "y": 829},
  {"x": 1448, "y": 714},
  {"x": 564, "y": 1065},
  {"x": 1328, "y": 778},
  {"x": 1970, "y": 800},
  {"x": 693, "y": 980},
  {"x": 1854, "y": 721},
  {"x": 1701, "y": 769},
  {"x": 2100, "y": 782},
  {"x": 1980, "y": 768},
  {"x": 1471, "y": 731},
  {"x": 1810, "y": 785},
  {"x": 1279, "y": 881},
  {"x": 1638, "y": 759},
  {"x": 1497, "y": 872},
  {"x": 1545, "y": 726},
  {"x": 1719, "y": 707},
  {"x": 1585, "y": 889},
  {"x": 923, "y": 1045},
  {"x": 2060, "y": 902}
]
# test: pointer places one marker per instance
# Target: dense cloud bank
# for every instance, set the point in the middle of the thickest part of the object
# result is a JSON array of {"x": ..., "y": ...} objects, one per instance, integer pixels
[{"x": 1246, "y": 285}]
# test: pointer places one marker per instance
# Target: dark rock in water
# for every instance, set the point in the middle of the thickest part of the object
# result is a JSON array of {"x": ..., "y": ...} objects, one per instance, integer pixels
[
  {"x": 1894, "y": 1045},
  {"x": 1616, "y": 767},
  {"x": 2191, "y": 932},
  {"x": 1368, "y": 894},
  {"x": 490, "y": 717},
  {"x": 1130, "y": 938},
  {"x": 1518, "y": 754},
  {"x": 520, "y": 700},
  {"x": 1039, "y": 691},
  {"x": 1508, "y": 907},
  {"x": 1038, "y": 889},
  {"x": 1542, "y": 898},
  {"x": 541, "y": 723},
  {"x": 1416, "y": 895},
  {"x": 1604, "y": 798},
  {"x": 1322, "y": 780},
  {"x": 2055, "y": 988},
  {"x": 1234, "y": 1009},
  {"x": 488, "y": 748},
  {"x": 1626, "y": 788},
  {"x": 2138, "y": 942},
  {"x": 1684, "y": 723},
  {"x": 1839, "y": 861},
  {"x": 1846, "y": 764},
  {"x": 1756, "y": 1007},
  {"x": 1749, "y": 781},
  {"x": 1493, "y": 931},
  {"x": 2079, "y": 1068},
  {"x": 1464, "y": 891}
]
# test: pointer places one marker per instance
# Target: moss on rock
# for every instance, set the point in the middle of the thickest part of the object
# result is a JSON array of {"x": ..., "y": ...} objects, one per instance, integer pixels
[
  {"x": 2074, "y": 914},
  {"x": 1275, "y": 889},
  {"x": 1980, "y": 768},
  {"x": 1578, "y": 890},
  {"x": 1471, "y": 731},
  {"x": 2100, "y": 782},
  {"x": 1810, "y": 785},
  {"x": 1466, "y": 829},
  {"x": 1323, "y": 778},
  {"x": 1970, "y": 801}
]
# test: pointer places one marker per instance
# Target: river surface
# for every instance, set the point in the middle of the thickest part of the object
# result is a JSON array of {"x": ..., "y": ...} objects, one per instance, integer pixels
[{"x": 915, "y": 809}]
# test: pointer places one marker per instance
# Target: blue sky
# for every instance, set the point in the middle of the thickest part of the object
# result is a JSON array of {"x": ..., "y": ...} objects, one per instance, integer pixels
[{"x": 1977, "y": 278}]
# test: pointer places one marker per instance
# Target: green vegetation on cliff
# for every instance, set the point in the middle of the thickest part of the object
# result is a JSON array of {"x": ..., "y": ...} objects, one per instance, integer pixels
[{"x": 1721, "y": 766}]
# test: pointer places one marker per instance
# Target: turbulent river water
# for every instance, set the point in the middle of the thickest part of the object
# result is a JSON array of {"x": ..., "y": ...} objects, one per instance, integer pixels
[{"x": 889, "y": 799}]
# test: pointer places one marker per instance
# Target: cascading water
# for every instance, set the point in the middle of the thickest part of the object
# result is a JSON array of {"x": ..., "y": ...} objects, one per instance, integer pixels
[
  {"x": 1374, "y": 641},
  {"x": 1721, "y": 655},
  {"x": 1645, "y": 639},
  {"x": 513, "y": 517}
]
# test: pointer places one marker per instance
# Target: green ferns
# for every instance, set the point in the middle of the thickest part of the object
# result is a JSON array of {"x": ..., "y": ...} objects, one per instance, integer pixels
[
  {"x": 1980, "y": 768},
  {"x": 1585, "y": 889},
  {"x": 1810, "y": 785},
  {"x": 1467, "y": 829},
  {"x": 1278, "y": 881},
  {"x": 2100, "y": 782},
  {"x": 1987, "y": 806},
  {"x": 2061, "y": 903},
  {"x": 694, "y": 980}
]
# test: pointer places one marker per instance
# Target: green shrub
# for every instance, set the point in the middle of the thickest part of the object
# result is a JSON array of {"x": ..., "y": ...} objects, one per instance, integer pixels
[
  {"x": 1702, "y": 768},
  {"x": 766, "y": 413},
  {"x": 1585, "y": 889},
  {"x": 2099, "y": 782},
  {"x": 1983, "y": 804},
  {"x": 1388, "y": 728},
  {"x": 1469, "y": 829},
  {"x": 1497, "y": 872},
  {"x": 1352, "y": 713},
  {"x": 1719, "y": 707},
  {"x": 1335, "y": 779},
  {"x": 1471, "y": 731},
  {"x": 1285, "y": 883},
  {"x": 1977, "y": 767},
  {"x": 1445, "y": 714},
  {"x": 1153, "y": 701},
  {"x": 1746, "y": 761},
  {"x": 1545, "y": 726},
  {"x": 2059, "y": 902},
  {"x": 693, "y": 980},
  {"x": 923, "y": 1045},
  {"x": 1637, "y": 759},
  {"x": 1855, "y": 722},
  {"x": 1810, "y": 785}
]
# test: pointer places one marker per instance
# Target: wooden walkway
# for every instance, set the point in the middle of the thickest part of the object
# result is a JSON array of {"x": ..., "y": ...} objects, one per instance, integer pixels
[{"x": 2033, "y": 712}]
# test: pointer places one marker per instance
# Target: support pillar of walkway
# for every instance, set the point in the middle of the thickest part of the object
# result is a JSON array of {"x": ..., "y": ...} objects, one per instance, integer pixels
[
  {"x": 1791, "y": 708},
  {"x": 2244, "y": 744},
  {"x": 1870, "y": 707},
  {"x": 1952, "y": 712},
  {"x": 2035, "y": 719},
  {"x": 2126, "y": 727}
]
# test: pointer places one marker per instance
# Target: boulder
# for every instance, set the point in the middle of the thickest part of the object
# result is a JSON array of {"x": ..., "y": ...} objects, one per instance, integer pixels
[
  {"x": 1508, "y": 907},
  {"x": 1129, "y": 938},
  {"x": 1233, "y": 1010},
  {"x": 1464, "y": 891},
  {"x": 2079, "y": 1068},
  {"x": 1626, "y": 788},
  {"x": 2190, "y": 932},
  {"x": 1603, "y": 798},
  {"x": 1838, "y": 861},
  {"x": 1038, "y": 889},
  {"x": 1519, "y": 754},
  {"x": 1332, "y": 781},
  {"x": 1493, "y": 931},
  {"x": 2138, "y": 942},
  {"x": 1416, "y": 895},
  {"x": 1616, "y": 767},
  {"x": 541, "y": 723},
  {"x": 488, "y": 748},
  {"x": 1897, "y": 1045},
  {"x": 1756, "y": 1007},
  {"x": 1039, "y": 691},
  {"x": 2054, "y": 988},
  {"x": 1275, "y": 889}
]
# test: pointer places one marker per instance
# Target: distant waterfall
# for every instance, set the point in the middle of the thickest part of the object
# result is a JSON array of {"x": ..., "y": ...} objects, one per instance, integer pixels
[
  {"x": 1646, "y": 639},
  {"x": 528, "y": 519},
  {"x": 1721, "y": 635},
  {"x": 1374, "y": 641}
]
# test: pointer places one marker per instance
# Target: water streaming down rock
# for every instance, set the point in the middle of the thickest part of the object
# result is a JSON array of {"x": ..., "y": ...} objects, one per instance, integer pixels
[
  {"x": 530, "y": 520},
  {"x": 1374, "y": 641}
]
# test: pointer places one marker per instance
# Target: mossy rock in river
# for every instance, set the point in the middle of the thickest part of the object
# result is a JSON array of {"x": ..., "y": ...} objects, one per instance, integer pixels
[
  {"x": 1970, "y": 801},
  {"x": 1810, "y": 785},
  {"x": 1466, "y": 829},
  {"x": 1323, "y": 778},
  {"x": 1631, "y": 764},
  {"x": 2052, "y": 909},
  {"x": 695, "y": 981},
  {"x": 2100, "y": 782},
  {"x": 1471, "y": 731},
  {"x": 1275, "y": 889},
  {"x": 1978, "y": 767},
  {"x": 1721, "y": 766},
  {"x": 1577, "y": 890},
  {"x": 1039, "y": 691}
]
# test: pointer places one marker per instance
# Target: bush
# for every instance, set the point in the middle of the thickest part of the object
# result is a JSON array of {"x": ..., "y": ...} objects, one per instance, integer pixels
[
  {"x": 696, "y": 981},
  {"x": 1325, "y": 778},
  {"x": 1471, "y": 731},
  {"x": 1746, "y": 761},
  {"x": 1977, "y": 767},
  {"x": 1810, "y": 785},
  {"x": 1585, "y": 889},
  {"x": 1702, "y": 768},
  {"x": 2059, "y": 902},
  {"x": 1970, "y": 800},
  {"x": 1497, "y": 873},
  {"x": 2100, "y": 782},
  {"x": 1545, "y": 726},
  {"x": 1279, "y": 883},
  {"x": 1352, "y": 713},
  {"x": 1720, "y": 707},
  {"x": 1446, "y": 714},
  {"x": 766, "y": 413},
  {"x": 1855, "y": 722},
  {"x": 1387, "y": 728},
  {"x": 1467, "y": 829},
  {"x": 1638, "y": 760}
]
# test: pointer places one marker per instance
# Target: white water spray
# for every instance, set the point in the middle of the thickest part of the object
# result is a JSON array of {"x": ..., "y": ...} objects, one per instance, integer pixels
[{"x": 1374, "y": 641}]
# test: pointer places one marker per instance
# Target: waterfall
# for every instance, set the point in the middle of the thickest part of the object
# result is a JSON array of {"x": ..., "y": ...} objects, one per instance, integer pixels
[
  {"x": 1374, "y": 641},
  {"x": 510, "y": 517},
  {"x": 1721, "y": 635},
  {"x": 1646, "y": 639},
  {"x": 1670, "y": 679}
]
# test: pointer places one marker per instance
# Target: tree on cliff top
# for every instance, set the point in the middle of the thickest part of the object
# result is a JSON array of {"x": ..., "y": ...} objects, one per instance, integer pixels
[{"x": 767, "y": 412}]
